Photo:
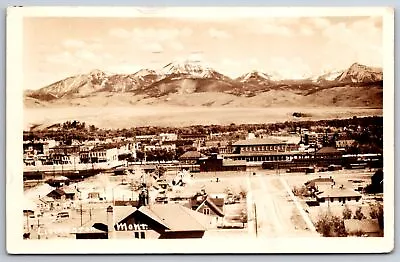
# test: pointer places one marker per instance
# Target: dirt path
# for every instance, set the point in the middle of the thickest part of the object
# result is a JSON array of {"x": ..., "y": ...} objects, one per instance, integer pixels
[{"x": 273, "y": 209}]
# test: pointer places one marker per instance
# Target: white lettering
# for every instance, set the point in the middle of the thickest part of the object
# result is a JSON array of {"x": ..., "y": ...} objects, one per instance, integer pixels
[
  {"x": 121, "y": 227},
  {"x": 131, "y": 227}
]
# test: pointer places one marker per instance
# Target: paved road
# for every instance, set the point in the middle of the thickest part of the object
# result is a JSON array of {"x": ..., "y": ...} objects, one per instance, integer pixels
[{"x": 270, "y": 209}]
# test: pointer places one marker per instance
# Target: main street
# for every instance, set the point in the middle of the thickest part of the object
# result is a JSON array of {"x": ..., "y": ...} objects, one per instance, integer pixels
[{"x": 272, "y": 210}]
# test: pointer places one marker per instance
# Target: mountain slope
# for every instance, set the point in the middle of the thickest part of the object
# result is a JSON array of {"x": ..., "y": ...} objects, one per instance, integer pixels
[{"x": 196, "y": 81}]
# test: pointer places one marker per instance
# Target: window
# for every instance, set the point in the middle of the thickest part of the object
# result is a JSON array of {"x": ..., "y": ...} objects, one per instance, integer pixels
[
  {"x": 206, "y": 211},
  {"x": 140, "y": 235}
]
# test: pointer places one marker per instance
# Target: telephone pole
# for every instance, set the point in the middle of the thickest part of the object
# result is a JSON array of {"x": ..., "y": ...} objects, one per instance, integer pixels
[
  {"x": 255, "y": 218},
  {"x": 81, "y": 215}
]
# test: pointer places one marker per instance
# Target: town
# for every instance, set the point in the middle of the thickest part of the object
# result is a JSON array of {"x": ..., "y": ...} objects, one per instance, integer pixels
[{"x": 297, "y": 178}]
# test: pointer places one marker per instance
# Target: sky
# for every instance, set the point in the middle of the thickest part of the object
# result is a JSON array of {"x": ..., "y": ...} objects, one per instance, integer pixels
[{"x": 293, "y": 47}]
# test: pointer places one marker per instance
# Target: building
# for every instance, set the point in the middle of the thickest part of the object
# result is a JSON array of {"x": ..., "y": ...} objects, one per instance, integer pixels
[
  {"x": 36, "y": 147},
  {"x": 168, "y": 137},
  {"x": 191, "y": 157},
  {"x": 158, "y": 221},
  {"x": 345, "y": 143},
  {"x": 207, "y": 205},
  {"x": 338, "y": 195},
  {"x": 217, "y": 163},
  {"x": 100, "y": 154},
  {"x": 262, "y": 145},
  {"x": 62, "y": 194}
]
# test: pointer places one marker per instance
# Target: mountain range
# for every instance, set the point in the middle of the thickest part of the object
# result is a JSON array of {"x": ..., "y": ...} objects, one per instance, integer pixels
[{"x": 193, "y": 84}]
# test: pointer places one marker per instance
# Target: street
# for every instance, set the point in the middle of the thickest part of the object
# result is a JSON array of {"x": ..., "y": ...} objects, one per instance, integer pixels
[{"x": 272, "y": 212}]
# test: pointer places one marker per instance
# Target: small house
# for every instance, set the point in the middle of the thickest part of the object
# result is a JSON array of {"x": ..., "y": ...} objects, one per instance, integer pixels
[{"x": 337, "y": 195}]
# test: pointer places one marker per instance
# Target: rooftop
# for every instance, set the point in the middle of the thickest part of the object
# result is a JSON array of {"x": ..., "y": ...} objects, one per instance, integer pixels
[
  {"x": 191, "y": 155},
  {"x": 328, "y": 150},
  {"x": 258, "y": 141},
  {"x": 227, "y": 162},
  {"x": 338, "y": 192},
  {"x": 176, "y": 217}
]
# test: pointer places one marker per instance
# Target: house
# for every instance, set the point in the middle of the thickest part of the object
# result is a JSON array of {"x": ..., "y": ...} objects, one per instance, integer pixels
[
  {"x": 364, "y": 227},
  {"x": 158, "y": 221},
  {"x": 338, "y": 195},
  {"x": 190, "y": 157},
  {"x": 46, "y": 203},
  {"x": 70, "y": 193},
  {"x": 207, "y": 205},
  {"x": 57, "y": 194}
]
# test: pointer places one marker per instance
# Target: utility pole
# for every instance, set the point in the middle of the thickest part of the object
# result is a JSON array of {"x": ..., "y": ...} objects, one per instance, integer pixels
[
  {"x": 255, "y": 218},
  {"x": 27, "y": 221},
  {"x": 81, "y": 215},
  {"x": 38, "y": 229}
]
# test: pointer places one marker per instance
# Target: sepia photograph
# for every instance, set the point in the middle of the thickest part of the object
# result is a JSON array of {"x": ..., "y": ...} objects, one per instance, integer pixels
[{"x": 258, "y": 129}]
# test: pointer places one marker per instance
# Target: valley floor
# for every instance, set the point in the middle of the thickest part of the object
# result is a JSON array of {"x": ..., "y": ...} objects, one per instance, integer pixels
[{"x": 130, "y": 116}]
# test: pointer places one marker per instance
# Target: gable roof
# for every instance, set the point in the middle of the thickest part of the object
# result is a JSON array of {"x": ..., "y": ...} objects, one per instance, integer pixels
[
  {"x": 57, "y": 191},
  {"x": 258, "y": 141},
  {"x": 191, "y": 155},
  {"x": 338, "y": 192},
  {"x": 212, "y": 205},
  {"x": 176, "y": 217}
]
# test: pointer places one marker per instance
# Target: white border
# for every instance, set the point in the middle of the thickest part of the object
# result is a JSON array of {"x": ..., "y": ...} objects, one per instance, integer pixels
[{"x": 14, "y": 127}]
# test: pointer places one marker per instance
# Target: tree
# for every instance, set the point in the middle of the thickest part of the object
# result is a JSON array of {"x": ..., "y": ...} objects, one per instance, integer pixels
[
  {"x": 331, "y": 226},
  {"x": 359, "y": 214},
  {"x": 347, "y": 213},
  {"x": 377, "y": 213},
  {"x": 243, "y": 216},
  {"x": 301, "y": 191}
]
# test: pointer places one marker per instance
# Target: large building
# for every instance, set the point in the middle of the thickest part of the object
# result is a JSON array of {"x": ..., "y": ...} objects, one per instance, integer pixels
[
  {"x": 158, "y": 221},
  {"x": 216, "y": 163},
  {"x": 267, "y": 145}
]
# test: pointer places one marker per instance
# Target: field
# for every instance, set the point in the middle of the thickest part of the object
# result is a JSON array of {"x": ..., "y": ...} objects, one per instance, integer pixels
[{"x": 126, "y": 117}]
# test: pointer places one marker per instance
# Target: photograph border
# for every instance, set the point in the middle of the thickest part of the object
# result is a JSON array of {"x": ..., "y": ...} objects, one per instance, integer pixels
[{"x": 14, "y": 127}]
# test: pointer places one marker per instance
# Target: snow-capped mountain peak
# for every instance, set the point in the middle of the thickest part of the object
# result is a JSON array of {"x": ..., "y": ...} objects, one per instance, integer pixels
[
  {"x": 254, "y": 75},
  {"x": 360, "y": 73},
  {"x": 190, "y": 68},
  {"x": 144, "y": 72}
]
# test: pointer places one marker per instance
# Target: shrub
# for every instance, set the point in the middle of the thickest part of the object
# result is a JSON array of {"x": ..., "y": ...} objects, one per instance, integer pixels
[
  {"x": 331, "y": 226},
  {"x": 301, "y": 191},
  {"x": 377, "y": 213},
  {"x": 359, "y": 214},
  {"x": 347, "y": 213}
]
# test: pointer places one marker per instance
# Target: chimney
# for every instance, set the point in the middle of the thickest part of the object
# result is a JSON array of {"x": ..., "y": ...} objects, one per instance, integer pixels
[
  {"x": 143, "y": 198},
  {"x": 110, "y": 222}
]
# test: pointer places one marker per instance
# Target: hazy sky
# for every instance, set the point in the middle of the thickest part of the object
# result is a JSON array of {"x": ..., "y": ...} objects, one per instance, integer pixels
[{"x": 55, "y": 48}]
